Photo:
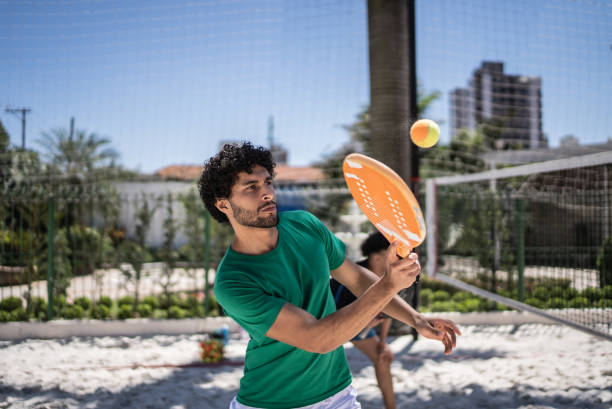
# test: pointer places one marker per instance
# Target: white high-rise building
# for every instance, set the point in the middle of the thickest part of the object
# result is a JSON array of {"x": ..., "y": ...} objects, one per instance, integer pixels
[{"x": 507, "y": 106}]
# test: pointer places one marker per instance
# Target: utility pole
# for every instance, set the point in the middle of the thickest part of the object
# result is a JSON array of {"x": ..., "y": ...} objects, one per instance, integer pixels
[{"x": 23, "y": 112}]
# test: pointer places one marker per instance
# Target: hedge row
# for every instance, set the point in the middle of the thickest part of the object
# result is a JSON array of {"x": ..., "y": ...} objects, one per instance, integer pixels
[{"x": 174, "y": 306}]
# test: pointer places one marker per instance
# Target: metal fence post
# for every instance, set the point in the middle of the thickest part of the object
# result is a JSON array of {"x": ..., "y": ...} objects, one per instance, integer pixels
[
  {"x": 50, "y": 257},
  {"x": 520, "y": 247},
  {"x": 206, "y": 261}
]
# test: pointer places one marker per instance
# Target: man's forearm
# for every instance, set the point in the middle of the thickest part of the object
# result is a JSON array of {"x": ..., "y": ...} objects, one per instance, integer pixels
[
  {"x": 341, "y": 326},
  {"x": 396, "y": 308}
]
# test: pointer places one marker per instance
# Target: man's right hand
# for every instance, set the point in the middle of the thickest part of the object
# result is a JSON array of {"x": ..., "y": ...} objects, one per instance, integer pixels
[{"x": 400, "y": 273}]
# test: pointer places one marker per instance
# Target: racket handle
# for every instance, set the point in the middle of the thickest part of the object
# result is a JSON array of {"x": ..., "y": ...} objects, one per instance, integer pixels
[{"x": 402, "y": 252}]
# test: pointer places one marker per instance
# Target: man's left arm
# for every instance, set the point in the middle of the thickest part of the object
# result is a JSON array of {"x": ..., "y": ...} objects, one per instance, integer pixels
[{"x": 358, "y": 279}]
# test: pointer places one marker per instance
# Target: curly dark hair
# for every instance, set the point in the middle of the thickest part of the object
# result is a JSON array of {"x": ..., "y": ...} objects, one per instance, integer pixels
[
  {"x": 374, "y": 243},
  {"x": 221, "y": 172}
]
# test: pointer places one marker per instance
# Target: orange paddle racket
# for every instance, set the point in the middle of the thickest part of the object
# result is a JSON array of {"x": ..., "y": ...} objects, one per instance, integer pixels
[{"x": 386, "y": 200}]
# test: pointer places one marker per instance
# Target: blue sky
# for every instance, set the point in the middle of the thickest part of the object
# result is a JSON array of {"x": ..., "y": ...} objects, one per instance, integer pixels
[{"x": 167, "y": 80}]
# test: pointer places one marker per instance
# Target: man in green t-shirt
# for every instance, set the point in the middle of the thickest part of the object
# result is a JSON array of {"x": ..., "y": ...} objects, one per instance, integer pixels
[{"x": 274, "y": 282}]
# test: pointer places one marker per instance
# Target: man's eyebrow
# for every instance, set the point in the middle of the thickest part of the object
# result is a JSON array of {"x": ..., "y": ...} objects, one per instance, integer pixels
[{"x": 251, "y": 181}]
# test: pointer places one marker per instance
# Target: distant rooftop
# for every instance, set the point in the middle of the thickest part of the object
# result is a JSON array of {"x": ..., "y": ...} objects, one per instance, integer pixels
[{"x": 285, "y": 174}]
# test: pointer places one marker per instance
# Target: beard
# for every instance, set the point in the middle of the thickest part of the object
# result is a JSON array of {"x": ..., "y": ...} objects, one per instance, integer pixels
[{"x": 251, "y": 218}]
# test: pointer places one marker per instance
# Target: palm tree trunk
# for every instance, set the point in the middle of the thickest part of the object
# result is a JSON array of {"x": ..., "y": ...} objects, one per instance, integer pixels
[{"x": 388, "y": 35}]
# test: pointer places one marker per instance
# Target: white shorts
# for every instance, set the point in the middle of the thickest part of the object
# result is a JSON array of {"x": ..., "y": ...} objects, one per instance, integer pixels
[{"x": 345, "y": 399}]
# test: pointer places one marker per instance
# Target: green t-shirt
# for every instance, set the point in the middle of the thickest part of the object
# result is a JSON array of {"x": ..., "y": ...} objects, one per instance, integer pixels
[{"x": 253, "y": 289}]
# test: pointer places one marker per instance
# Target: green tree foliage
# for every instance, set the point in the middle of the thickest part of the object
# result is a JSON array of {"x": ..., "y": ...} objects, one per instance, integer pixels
[
  {"x": 79, "y": 155},
  {"x": 168, "y": 253}
]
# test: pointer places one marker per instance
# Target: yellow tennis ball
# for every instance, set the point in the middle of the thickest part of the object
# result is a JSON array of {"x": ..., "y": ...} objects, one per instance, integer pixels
[{"x": 425, "y": 133}]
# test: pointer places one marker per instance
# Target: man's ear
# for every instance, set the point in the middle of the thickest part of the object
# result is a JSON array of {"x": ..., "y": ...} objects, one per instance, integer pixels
[{"x": 223, "y": 205}]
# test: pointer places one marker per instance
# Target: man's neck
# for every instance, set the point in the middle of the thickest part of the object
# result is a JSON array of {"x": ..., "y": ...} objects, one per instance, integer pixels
[{"x": 254, "y": 240}]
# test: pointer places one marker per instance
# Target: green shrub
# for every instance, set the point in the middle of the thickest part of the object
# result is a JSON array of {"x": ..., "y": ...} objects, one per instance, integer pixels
[
  {"x": 19, "y": 314},
  {"x": 536, "y": 302},
  {"x": 160, "y": 314},
  {"x": 579, "y": 302},
  {"x": 72, "y": 312},
  {"x": 168, "y": 301},
  {"x": 126, "y": 300},
  {"x": 89, "y": 249},
  {"x": 471, "y": 304},
  {"x": 604, "y": 303},
  {"x": 487, "y": 305},
  {"x": 443, "y": 306},
  {"x": 125, "y": 311},
  {"x": 200, "y": 312},
  {"x": 144, "y": 310},
  {"x": 151, "y": 301},
  {"x": 461, "y": 296},
  {"x": 5, "y": 316},
  {"x": 106, "y": 301},
  {"x": 100, "y": 312},
  {"x": 426, "y": 297},
  {"x": 541, "y": 293},
  {"x": 213, "y": 304},
  {"x": 176, "y": 312},
  {"x": 61, "y": 302},
  {"x": 557, "y": 292},
  {"x": 83, "y": 302},
  {"x": 38, "y": 304},
  {"x": 592, "y": 293},
  {"x": 440, "y": 295},
  {"x": 556, "y": 302},
  {"x": 570, "y": 293},
  {"x": 607, "y": 291},
  {"x": 189, "y": 303},
  {"x": 10, "y": 304}
]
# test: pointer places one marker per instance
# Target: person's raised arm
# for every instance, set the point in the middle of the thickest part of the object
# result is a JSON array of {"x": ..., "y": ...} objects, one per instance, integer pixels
[
  {"x": 358, "y": 279},
  {"x": 297, "y": 327}
]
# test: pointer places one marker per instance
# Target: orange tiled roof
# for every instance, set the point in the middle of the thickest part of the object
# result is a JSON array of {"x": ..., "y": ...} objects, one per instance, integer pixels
[{"x": 284, "y": 173}]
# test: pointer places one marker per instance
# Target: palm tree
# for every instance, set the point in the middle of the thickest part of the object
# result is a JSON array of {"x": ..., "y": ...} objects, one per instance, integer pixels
[
  {"x": 79, "y": 155},
  {"x": 388, "y": 39}
]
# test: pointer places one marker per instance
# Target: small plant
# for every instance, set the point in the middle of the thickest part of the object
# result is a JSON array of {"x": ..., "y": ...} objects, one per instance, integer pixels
[
  {"x": 151, "y": 301},
  {"x": 72, "y": 312},
  {"x": 541, "y": 293},
  {"x": 211, "y": 351},
  {"x": 126, "y": 311},
  {"x": 556, "y": 303},
  {"x": 100, "y": 311},
  {"x": 10, "y": 304},
  {"x": 426, "y": 297},
  {"x": 176, "y": 312},
  {"x": 106, "y": 300},
  {"x": 83, "y": 302},
  {"x": 126, "y": 300},
  {"x": 145, "y": 310},
  {"x": 536, "y": 302},
  {"x": 440, "y": 295},
  {"x": 579, "y": 302}
]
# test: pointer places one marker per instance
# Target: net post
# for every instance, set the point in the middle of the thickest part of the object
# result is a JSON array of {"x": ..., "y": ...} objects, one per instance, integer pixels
[
  {"x": 430, "y": 221},
  {"x": 50, "y": 237},
  {"x": 520, "y": 248}
]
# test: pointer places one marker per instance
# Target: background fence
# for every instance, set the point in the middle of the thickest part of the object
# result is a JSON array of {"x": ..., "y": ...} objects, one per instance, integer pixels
[
  {"x": 538, "y": 234},
  {"x": 89, "y": 245}
]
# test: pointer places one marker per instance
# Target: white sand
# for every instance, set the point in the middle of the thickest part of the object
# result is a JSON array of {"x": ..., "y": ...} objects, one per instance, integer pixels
[{"x": 529, "y": 366}]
